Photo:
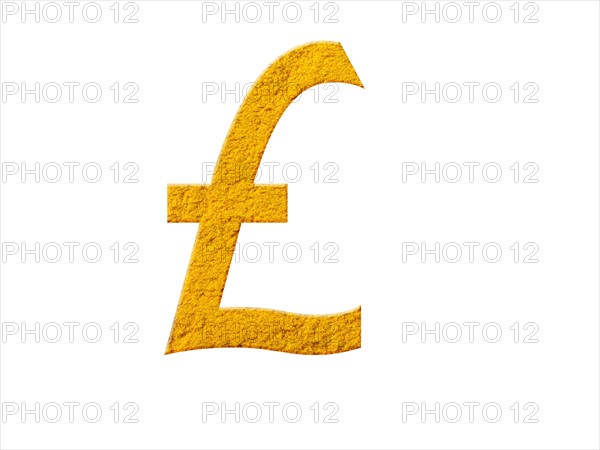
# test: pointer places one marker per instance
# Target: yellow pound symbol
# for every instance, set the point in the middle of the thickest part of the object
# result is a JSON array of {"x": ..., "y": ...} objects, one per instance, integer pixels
[{"x": 222, "y": 206}]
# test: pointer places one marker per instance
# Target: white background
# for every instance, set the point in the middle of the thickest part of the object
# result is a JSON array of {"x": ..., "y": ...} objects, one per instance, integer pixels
[{"x": 368, "y": 133}]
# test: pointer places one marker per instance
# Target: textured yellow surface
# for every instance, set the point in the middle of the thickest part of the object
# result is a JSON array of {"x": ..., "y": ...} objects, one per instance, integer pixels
[{"x": 231, "y": 199}]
